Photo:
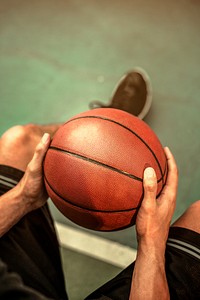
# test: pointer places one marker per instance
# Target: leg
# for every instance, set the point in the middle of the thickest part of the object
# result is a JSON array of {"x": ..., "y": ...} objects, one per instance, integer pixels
[
  {"x": 183, "y": 255},
  {"x": 190, "y": 218},
  {"x": 18, "y": 143}
]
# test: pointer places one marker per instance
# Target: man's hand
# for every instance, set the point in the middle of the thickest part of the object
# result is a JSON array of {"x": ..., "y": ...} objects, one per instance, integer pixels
[
  {"x": 149, "y": 280},
  {"x": 154, "y": 216},
  {"x": 31, "y": 185}
]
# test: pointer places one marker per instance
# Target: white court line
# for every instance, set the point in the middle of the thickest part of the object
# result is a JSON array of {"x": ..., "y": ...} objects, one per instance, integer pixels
[{"x": 94, "y": 246}]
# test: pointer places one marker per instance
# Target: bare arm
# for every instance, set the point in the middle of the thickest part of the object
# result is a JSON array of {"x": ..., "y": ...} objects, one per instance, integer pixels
[
  {"x": 29, "y": 193},
  {"x": 152, "y": 225}
]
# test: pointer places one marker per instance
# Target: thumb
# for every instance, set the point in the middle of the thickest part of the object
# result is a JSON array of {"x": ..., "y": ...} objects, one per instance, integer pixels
[
  {"x": 40, "y": 151},
  {"x": 150, "y": 185}
]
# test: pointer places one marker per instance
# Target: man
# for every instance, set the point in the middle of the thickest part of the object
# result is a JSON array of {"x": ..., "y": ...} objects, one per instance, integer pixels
[{"x": 30, "y": 266}]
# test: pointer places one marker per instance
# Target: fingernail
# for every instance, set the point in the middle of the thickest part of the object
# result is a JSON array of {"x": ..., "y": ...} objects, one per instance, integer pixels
[
  {"x": 149, "y": 172},
  {"x": 45, "y": 138}
]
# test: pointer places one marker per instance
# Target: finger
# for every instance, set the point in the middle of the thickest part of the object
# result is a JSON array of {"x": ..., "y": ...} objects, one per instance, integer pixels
[
  {"x": 40, "y": 152},
  {"x": 150, "y": 185},
  {"x": 172, "y": 177}
]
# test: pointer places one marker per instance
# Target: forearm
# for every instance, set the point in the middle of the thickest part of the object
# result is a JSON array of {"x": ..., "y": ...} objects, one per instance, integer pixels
[
  {"x": 12, "y": 208},
  {"x": 149, "y": 278}
]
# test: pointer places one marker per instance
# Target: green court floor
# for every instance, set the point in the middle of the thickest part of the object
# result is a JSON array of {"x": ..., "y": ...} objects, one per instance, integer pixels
[{"x": 58, "y": 55}]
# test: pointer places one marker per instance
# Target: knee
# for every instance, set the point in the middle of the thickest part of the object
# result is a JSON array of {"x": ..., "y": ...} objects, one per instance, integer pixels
[
  {"x": 13, "y": 134},
  {"x": 190, "y": 218},
  {"x": 21, "y": 135},
  {"x": 195, "y": 206}
]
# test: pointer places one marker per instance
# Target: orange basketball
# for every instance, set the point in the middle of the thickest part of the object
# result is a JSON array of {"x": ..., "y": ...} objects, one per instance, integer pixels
[{"x": 94, "y": 168}]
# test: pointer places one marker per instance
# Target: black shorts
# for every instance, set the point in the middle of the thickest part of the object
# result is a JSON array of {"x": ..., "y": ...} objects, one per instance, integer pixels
[
  {"x": 182, "y": 269},
  {"x": 31, "y": 248}
]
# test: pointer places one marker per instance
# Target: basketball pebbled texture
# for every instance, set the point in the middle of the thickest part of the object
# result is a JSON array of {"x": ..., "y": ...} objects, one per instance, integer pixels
[{"x": 94, "y": 167}]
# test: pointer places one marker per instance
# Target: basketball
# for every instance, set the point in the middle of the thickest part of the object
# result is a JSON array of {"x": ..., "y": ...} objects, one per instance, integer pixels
[{"x": 93, "y": 169}]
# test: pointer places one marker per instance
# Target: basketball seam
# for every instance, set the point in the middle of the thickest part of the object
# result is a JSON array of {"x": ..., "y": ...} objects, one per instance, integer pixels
[
  {"x": 99, "y": 163},
  {"x": 96, "y": 162},
  {"x": 125, "y": 127},
  {"x": 85, "y": 208}
]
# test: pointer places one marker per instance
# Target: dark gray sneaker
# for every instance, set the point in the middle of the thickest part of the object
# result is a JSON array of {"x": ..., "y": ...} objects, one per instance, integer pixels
[{"x": 133, "y": 94}]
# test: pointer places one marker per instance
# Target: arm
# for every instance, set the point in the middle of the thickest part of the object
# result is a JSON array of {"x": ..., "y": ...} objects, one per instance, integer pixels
[
  {"x": 152, "y": 225},
  {"x": 28, "y": 194}
]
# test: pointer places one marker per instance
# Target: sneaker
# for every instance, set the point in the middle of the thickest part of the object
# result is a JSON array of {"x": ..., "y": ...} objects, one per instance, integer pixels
[{"x": 133, "y": 94}]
